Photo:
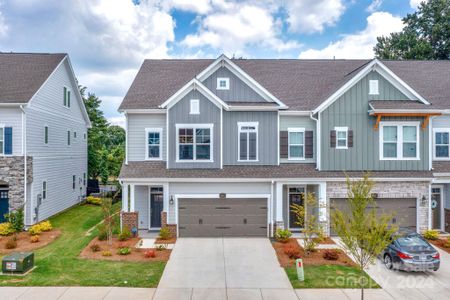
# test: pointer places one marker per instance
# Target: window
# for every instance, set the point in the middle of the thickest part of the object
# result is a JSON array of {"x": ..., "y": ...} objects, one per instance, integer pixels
[
  {"x": 84, "y": 179},
  {"x": 248, "y": 141},
  {"x": 223, "y": 83},
  {"x": 74, "y": 134},
  {"x": 341, "y": 137},
  {"x": 441, "y": 143},
  {"x": 399, "y": 141},
  {"x": 2, "y": 140},
  {"x": 194, "y": 142},
  {"x": 296, "y": 142},
  {"x": 373, "y": 87},
  {"x": 74, "y": 181},
  {"x": 66, "y": 97},
  {"x": 6, "y": 140},
  {"x": 153, "y": 143},
  {"x": 84, "y": 135},
  {"x": 195, "y": 107},
  {"x": 46, "y": 135},
  {"x": 44, "y": 190},
  {"x": 68, "y": 138}
]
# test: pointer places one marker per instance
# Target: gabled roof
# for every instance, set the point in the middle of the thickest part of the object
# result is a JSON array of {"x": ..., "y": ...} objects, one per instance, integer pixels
[
  {"x": 302, "y": 85},
  {"x": 22, "y": 74}
]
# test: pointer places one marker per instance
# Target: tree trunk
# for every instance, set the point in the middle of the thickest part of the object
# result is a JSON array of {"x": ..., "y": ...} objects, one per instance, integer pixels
[{"x": 361, "y": 282}]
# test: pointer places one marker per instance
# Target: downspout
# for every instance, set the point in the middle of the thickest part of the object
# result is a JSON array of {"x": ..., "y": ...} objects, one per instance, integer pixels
[
  {"x": 126, "y": 138},
  {"x": 318, "y": 139},
  {"x": 24, "y": 153},
  {"x": 271, "y": 208}
]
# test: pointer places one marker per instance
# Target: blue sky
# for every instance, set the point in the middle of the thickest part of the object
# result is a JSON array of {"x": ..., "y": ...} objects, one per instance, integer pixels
[{"x": 107, "y": 40}]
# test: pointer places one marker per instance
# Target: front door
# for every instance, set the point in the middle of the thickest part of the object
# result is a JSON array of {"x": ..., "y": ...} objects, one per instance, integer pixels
[
  {"x": 4, "y": 205},
  {"x": 296, "y": 196},
  {"x": 436, "y": 199},
  {"x": 156, "y": 207}
]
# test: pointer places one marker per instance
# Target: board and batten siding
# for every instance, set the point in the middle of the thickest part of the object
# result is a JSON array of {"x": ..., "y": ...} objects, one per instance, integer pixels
[
  {"x": 180, "y": 114},
  {"x": 299, "y": 122},
  {"x": 12, "y": 117},
  {"x": 351, "y": 110},
  {"x": 267, "y": 137},
  {"x": 137, "y": 123},
  {"x": 239, "y": 90}
]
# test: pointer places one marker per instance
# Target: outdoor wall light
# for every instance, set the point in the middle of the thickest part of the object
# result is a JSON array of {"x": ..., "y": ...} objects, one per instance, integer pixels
[{"x": 171, "y": 200}]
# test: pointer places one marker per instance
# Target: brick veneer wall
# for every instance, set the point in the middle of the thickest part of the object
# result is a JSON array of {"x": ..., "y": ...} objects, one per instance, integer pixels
[
  {"x": 130, "y": 219},
  {"x": 172, "y": 227},
  {"x": 391, "y": 190}
]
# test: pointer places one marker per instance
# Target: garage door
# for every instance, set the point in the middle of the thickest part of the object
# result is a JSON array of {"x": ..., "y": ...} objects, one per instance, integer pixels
[
  {"x": 222, "y": 217},
  {"x": 403, "y": 208}
]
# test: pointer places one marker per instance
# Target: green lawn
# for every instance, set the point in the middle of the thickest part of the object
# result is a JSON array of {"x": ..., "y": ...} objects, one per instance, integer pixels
[
  {"x": 58, "y": 263},
  {"x": 328, "y": 276}
]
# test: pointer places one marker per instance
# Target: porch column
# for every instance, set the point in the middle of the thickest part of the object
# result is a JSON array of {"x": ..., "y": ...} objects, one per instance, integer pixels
[
  {"x": 132, "y": 199},
  {"x": 323, "y": 204},
  {"x": 279, "y": 204},
  {"x": 125, "y": 197},
  {"x": 166, "y": 197}
]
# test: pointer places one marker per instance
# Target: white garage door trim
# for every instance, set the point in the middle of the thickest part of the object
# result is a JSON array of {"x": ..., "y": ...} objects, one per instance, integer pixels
[{"x": 230, "y": 196}]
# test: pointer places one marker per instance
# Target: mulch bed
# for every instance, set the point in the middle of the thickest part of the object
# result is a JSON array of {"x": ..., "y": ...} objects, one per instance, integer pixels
[
  {"x": 25, "y": 245},
  {"x": 441, "y": 244},
  {"x": 313, "y": 259},
  {"x": 168, "y": 241},
  {"x": 136, "y": 255},
  {"x": 327, "y": 241}
]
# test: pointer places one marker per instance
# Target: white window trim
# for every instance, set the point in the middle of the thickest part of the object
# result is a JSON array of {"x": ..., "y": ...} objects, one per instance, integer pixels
[
  {"x": 399, "y": 140},
  {"x": 67, "y": 92},
  {"x": 194, "y": 127},
  {"x": 296, "y": 129},
  {"x": 243, "y": 124},
  {"x": 192, "y": 104},
  {"x": 46, "y": 190},
  {"x": 147, "y": 131},
  {"x": 437, "y": 130},
  {"x": 2, "y": 126},
  {"x": 227, "y": 83},
  {"x": 341, "y": 129},
  {"x": 374, "y": 83}
]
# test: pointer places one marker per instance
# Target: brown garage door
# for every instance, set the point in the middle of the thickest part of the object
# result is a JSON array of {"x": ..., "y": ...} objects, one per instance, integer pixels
[
  {"x": 222, "y": 217},
  {"x": 403, "y": 208}
]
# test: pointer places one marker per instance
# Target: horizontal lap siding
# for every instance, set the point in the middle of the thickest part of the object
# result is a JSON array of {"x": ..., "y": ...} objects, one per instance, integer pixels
[
  {"x": 137, "y": 123},
  {"x": 12, "y": 117},
  {"x": 300, "y": 122},
  {"x": 351, "y": 110},
  {"x": 141, "y": 205}
]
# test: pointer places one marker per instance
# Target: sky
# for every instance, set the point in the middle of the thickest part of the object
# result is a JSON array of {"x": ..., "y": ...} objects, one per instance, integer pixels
[{"x": 107, "y": 40}]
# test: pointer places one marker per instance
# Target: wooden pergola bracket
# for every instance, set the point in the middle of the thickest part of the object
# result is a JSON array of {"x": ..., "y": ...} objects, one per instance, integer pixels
[{"x": 424, "y": 115}]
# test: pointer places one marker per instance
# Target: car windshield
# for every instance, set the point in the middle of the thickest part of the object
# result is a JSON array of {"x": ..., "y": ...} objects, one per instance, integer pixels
[{"x": 412, "y": 242}]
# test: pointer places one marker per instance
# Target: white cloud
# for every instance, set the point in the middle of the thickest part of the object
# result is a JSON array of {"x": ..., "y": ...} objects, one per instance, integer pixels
[
  {"x": 415, "y": 3},
  {"x": 309, "y": 16},
  {"x": 197, "y": 6},
  {"x": 119, "y": 121},
  {"x": 360, "y": 44},
  {"x": 374, "y": 6}
]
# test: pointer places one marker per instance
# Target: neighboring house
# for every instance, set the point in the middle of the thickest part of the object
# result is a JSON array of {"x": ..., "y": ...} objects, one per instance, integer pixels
[
  {"x": 224, "y": 147},
  {"x": 43, "y": 134}
]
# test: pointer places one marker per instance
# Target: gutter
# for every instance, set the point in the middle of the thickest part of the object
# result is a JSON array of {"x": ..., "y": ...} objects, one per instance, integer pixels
[{"x": 25, "y": 160}]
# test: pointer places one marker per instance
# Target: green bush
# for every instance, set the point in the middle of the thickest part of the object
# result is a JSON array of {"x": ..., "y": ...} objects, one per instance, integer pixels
[
  {"x": 6, "y": 229},
  {"x": 124, "y": 251},
  {"x": 282, "y": 235},
  {"x": 16, "y": 219},
  {"x": 431, "y": 234},
  {"x": 102, "y": 234},
  {"x": 125, "y": 234},
  {"x": 165, "y": 233}
]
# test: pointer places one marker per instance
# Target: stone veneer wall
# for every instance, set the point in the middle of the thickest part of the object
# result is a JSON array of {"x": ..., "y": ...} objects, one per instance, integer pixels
[
  {"x": 391, "y": 190},
  {"x": 12, "y": 174},
  {"x": 172, "y": 227}
]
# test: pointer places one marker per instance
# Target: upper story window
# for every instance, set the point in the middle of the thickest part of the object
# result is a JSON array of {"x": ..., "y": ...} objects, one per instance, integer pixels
[
  {"x": 248, "y": 141},
  {"x": 153, "y": 143},
  {"x": 46, "y": 135},
  {"x": 66, "y": 97},
  {"x": 44, "y": 190},
  {"x": 74, "y": 181},
  {"x": 68, "y": 138},
  {"x": 373, "y": 87},
  {"x": 399, "y": 141},
  {"x": 194, "y": 142},
  {"x": 2, "y": 140},
  {"x": 195, "y": 107},
  {"x": 341, "y": 137},
  {"x": 223, "y": 83},
  {"x": 296, "y": 142},
  {"x": 5, "y": 140},
  {"x": 441, "y": 143}
]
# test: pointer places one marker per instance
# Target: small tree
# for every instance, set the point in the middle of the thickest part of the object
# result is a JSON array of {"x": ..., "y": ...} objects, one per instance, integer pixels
[
  {"x": 305, "y": 217},
  {"x": 15, "y": 218},
  {"x": 108, "y": 218},
  {"x": 363, "y": 233}
]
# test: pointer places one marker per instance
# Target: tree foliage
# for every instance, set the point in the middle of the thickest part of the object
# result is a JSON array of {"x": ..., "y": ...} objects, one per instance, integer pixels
[{"x": 426, "y": 34}]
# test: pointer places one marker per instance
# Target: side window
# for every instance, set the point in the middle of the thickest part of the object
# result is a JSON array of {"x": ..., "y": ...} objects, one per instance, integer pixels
[
  {"x": 68, "y": 138},
  {"x": 223, "y": 83},
  {"x": 153, "y": 143},
  {"x": 341, "y": 137},
  {"x": 46, "y": 135},
  {"x": 66, "y": 101},
  {"x": 6, "y": 140},
  {"x": 74, "y": 181},
  {"x": 44, "y": 190},
  {"x": 248, "y": 141},
  {"x": 441, "y": 144},
  {"x": 2, "y": 140},
  {"x": 194, "y": 143},
  {"x": 296, "y": 142}
]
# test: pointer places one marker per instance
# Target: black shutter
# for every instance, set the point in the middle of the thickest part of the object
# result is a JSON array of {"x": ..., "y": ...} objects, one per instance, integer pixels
[
  {"x": 309, "y": 144},
  {"x": 284, "y": 146},
  {"x": 333, "y": 138},
  {"x": 350, "y": 138}
]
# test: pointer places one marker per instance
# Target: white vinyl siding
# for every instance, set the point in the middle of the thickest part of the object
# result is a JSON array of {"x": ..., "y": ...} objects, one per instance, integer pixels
[
  {"x": 46, "y": 135},
  {"x": 137, "y": 123},
  {"x": 399, "y": 141},
  {"x": 12, "y": 117}
]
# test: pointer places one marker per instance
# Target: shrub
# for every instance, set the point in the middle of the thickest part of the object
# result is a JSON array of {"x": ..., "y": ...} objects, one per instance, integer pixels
[
  {"x": 102, "y": 234},
  {"x": 431, "y": 234},
  {"x": 40, "y": 227},
  {"x": 95, "y": 247},
  {"x": 291, "y": 251},
  {"x": 165, "y": 233},
  {"x": 94, "y": 200},
  {"x": 125, "y": 234},
  {"x": 6, "y": 229},
  {"x": 150, "y": 254},
  {"x": 106, "y": 253},
  {"x": 282, "y": 235},
  {"x": 330, "y": 255},
  {"x": 11, "y": 244},
  {"x": 15, "y": 218},
  {"x": 34, "y": 238},
  {"x": 161, "y": 247},
  {"x": 124, "y": 251}
]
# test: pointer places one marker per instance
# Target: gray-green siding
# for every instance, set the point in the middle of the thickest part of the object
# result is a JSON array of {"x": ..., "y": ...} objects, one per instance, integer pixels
[
  {"x": 300, "y": 122},
  {"x": 351, "y": 110}
]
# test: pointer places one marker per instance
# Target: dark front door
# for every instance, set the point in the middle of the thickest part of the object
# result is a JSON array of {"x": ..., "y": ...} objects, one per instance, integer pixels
[
  {"x": 4, "y": 205},
  {"x": 156, "y": 207},
  {"x": 296, "y": 196}
]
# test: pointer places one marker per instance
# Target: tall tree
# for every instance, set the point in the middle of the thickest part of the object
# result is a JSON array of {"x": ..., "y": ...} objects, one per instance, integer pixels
[{"x": 426, "y": 34}]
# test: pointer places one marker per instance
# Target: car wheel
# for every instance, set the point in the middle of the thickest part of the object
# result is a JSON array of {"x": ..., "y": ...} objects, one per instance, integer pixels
[{"x": 388, "y": 262}]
